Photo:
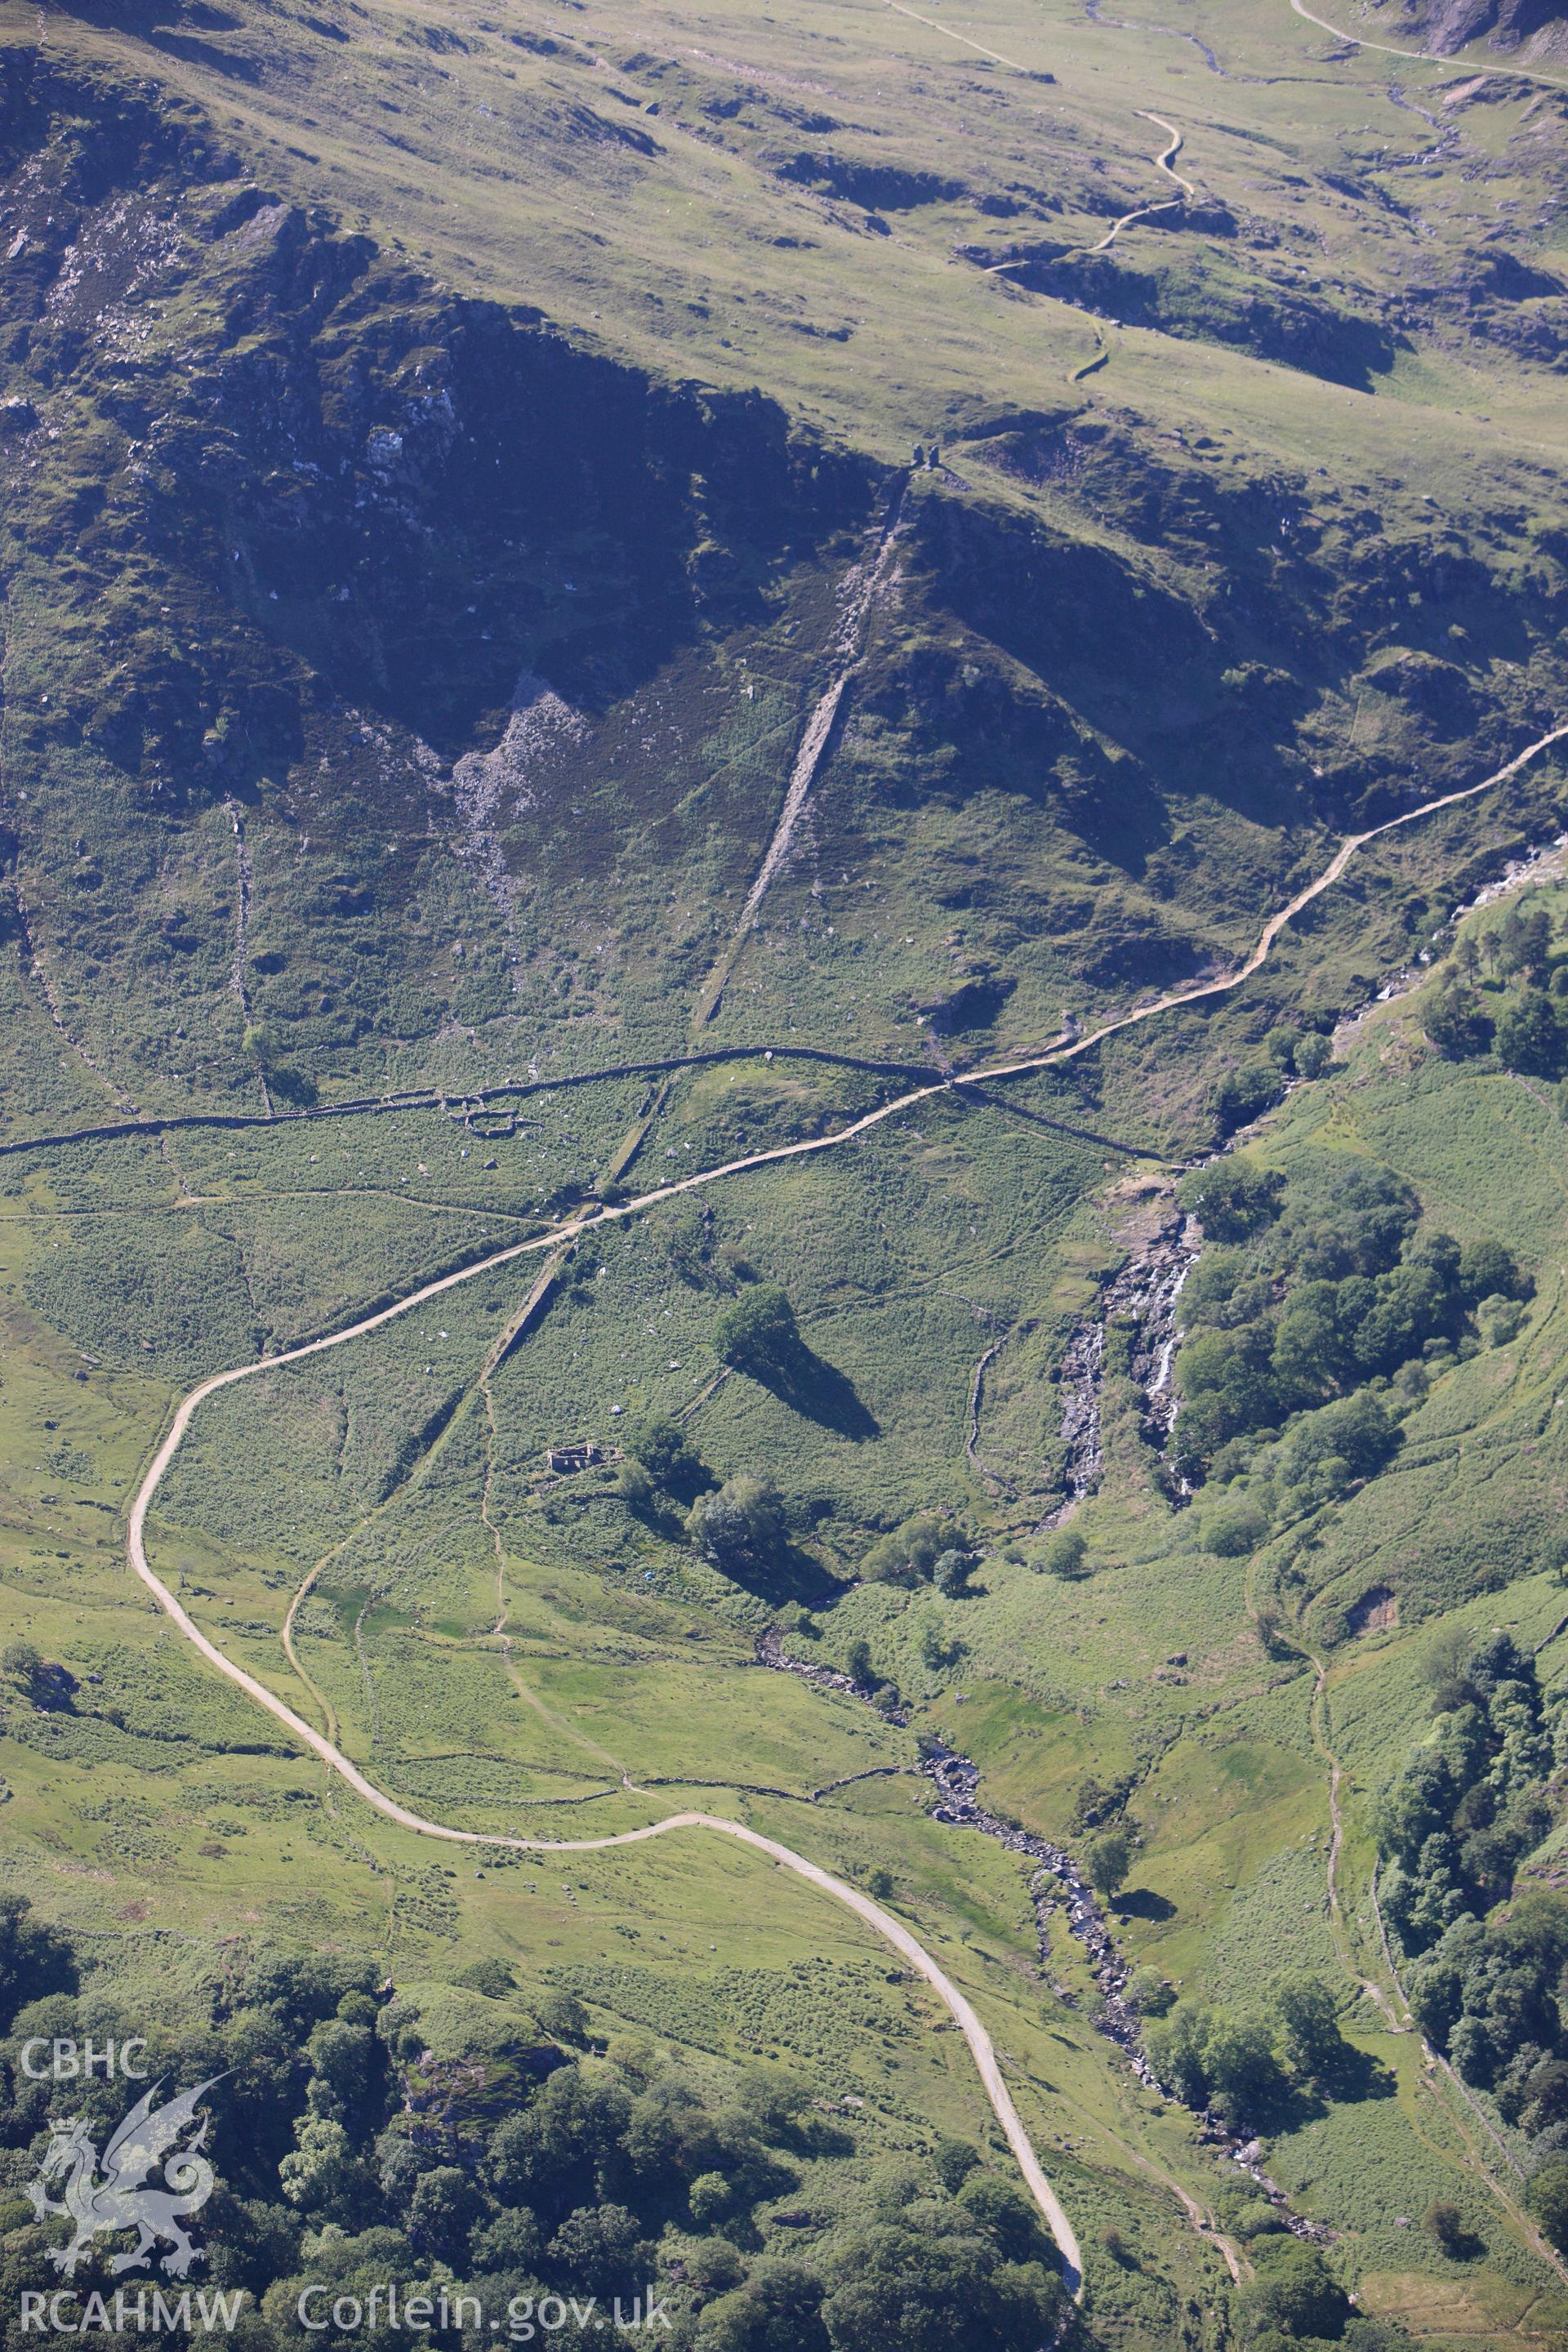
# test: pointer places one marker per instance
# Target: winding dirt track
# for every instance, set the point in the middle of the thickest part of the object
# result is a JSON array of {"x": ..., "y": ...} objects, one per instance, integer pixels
[
  {"x": 1462, "y": 66},
  {"x": 890, "y": 1929},
  {"x": 1163, "y": 162},
  {"x": 875, "y": 1916}
]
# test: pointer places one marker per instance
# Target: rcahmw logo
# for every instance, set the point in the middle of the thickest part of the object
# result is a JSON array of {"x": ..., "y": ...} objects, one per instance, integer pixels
[{"x": 112, "y": 2193}]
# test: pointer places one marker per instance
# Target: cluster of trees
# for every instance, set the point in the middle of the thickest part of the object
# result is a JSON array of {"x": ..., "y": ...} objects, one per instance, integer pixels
[
  {"x": 744, "y": 1526},
  {"x": 1254, "y": 1087},
  {"x": 1503, "y": 993},
  {"x": 1471, "y": 1803},
  {"x": 348, "y": 2156},
  {"x": 928, "y": 1549},
  {"x": 741, "y": 1526},
  {"x": 1245, "y": 2065},
  {"x": 1489, "y": 1984},
  {"x": 1295, "y": 2299},
  {"x": 1494, "y": 1993},
  {"x": 1323, "y": 1285},
  {"x": 1471, "y": 1800}
]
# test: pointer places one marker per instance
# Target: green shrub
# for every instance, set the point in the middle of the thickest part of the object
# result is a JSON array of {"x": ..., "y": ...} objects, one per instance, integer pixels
[
  {"x": 1065, "y": 1554},
  {"x": 1235, "y": 1529}
]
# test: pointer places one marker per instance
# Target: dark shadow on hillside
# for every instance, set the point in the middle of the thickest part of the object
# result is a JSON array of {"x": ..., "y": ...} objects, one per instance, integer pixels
[
  {"x": 1057, "y": 1126},
  {"x": 791, "y": 1575},
  {"x": 1143, "y": 1903},
  {"x": 819, "y": 1392},
  {"x": 1345, "y": 2076},
  {"x": 1355, "y": 2075}
]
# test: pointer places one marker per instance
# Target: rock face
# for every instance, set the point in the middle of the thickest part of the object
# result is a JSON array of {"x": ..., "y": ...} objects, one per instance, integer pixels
[{"x": 1528, "y": 29}]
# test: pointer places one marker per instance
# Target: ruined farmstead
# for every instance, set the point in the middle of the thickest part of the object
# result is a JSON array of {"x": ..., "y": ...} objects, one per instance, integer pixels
[{"x": 583, "y": 1454}]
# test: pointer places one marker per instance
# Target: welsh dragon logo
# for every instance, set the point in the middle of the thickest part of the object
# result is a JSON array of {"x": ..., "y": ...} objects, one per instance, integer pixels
[{"x": 103, "y": 2194}]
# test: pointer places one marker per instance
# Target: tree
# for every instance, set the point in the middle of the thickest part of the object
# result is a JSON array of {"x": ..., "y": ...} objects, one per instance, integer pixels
[
  {"x": 1547, "y": 2198},
  {"x": 1445, "y": 2223},
  {"x": 664, "y": 1451},
  {"x": 1232, "y": 1198},
  {"x": 779, "y": 2309},
  {"x": 342, "y": 2058},
  {"x": 1107, "y": 1860},
  {"x": 1294, "y": 2291},
  {"x": 1177, "y": 2047},
  {"x": 896, "y": 2289},
  {"x": 1149, "y": 1993},
  {"x": 1242, "y": 1094},
  {"x": 509, "y": 2243},
  {"x": 600, "y": 2247},
  {"x": 1314, "y": 1052},
  {"x": 1009, "y": 2218},
  {"x": 1235, "y": 1529},
  {"x": 756, "y": 1332},
  {"x": 1310, "y": 2027},
  {"x": 635, "y": 1487},
  {"x": 1065, "y": 1554},
  {"x": 857, "y": 1662},
  {"x": 932, "y": 1640},
  {"x": 1487, "y": 1270},
  {"x": 443, "y": 2209},
  {"x": 1356, "y": 1431},
  {"x": 19, "y": 1663},
  {"x": 1311, "y": 1353},
  {"x": 35, "y": 1959},
  {"x": 548, "y": 2154},
  {"x": 323, "y": 2175},
  {"x": 953, "y": 1572},
  {"x": 741, "y": 1528},
  {"x": 1455, "y": 1020},
  {"x": 1530, "y": 1035},
  {"x": 711, "y": 2196},
  {"x": 954, "y": 2160},
  {"x": 915, "y": 1549},
  {"x": 1239, "y": 2058},
  {"x": 1523, "y": 941},
  {"x": 562, "y": 2015}
]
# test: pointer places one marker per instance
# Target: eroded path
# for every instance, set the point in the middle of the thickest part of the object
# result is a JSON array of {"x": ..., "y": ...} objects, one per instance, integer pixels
[{"x": 1163, "y": 162}]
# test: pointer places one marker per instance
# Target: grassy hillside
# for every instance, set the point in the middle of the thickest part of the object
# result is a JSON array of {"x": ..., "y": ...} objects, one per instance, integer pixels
[{"x": 460, "y": 503}]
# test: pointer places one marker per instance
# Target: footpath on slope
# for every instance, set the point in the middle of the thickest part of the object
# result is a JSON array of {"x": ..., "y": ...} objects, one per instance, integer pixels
[
  {"x": 1162, "y": 161},
  {"x": 881, "y": 1921}
]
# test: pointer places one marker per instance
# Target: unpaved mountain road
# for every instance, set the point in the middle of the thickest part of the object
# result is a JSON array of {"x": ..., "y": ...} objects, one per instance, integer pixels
[
  {"x": 883, "y": 1923},
  {"x": 1455, "y": 65},
  {"x": 890, "y": 1929}
]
